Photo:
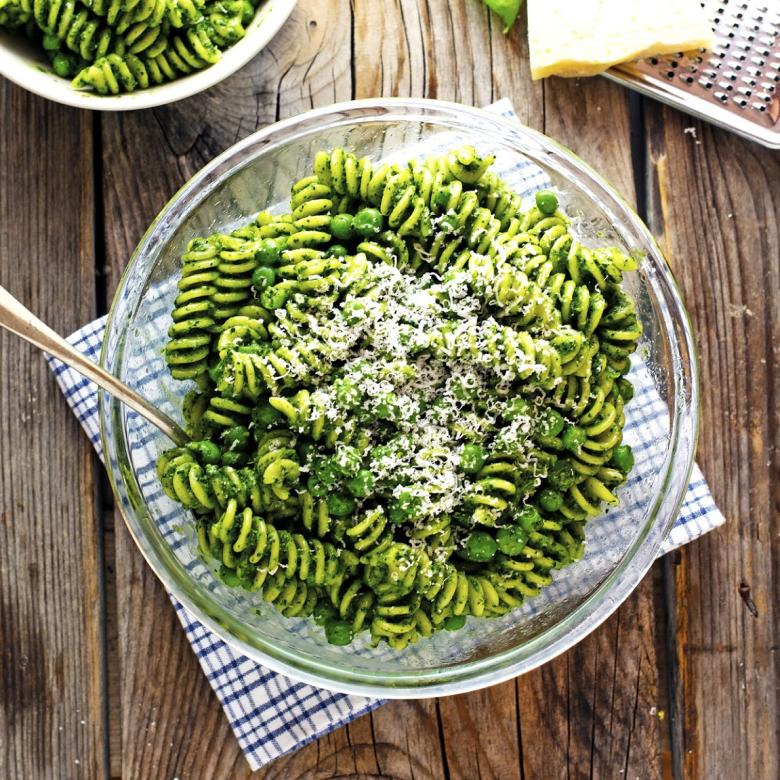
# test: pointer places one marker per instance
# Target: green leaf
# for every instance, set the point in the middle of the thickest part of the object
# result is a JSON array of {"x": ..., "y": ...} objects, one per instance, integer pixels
[{"x": 506, "y": 9}]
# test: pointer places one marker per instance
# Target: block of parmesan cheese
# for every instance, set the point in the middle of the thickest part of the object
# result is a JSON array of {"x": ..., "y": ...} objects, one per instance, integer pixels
[{"x": 585, "y": 37}]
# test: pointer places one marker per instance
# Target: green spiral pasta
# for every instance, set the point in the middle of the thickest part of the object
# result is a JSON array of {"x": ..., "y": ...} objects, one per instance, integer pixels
[
  {"x": 115, "y": 46},
  {"x": 410, "y": 395}
]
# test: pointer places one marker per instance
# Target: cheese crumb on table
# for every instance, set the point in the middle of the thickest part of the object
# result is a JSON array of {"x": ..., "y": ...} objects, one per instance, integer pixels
[{"x": 587, "y": 37}]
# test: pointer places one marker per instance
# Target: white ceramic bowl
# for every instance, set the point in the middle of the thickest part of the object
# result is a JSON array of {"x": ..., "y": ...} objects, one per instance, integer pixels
[{"x": 27, "y": 65}]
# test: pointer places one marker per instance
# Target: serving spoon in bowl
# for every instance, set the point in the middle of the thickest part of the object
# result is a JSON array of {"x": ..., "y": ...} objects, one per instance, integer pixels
[{"x": 23, "y": 323}]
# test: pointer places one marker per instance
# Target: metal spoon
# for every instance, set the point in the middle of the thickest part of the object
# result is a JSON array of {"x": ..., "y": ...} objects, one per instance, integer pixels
[{"x": 22, "y": 322}]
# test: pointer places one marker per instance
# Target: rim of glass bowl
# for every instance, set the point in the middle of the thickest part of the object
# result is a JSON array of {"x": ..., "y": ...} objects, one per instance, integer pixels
[{"x": 604, "y": 600}]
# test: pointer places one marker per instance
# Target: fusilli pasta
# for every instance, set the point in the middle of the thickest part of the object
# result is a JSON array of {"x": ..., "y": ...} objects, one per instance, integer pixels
[
  {"x": 409, "y": 397},
  {"x": 114, "y": 46}
]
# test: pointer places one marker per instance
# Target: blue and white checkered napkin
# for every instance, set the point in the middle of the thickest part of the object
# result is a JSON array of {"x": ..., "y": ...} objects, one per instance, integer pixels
[{"x": 270, "y": 713}]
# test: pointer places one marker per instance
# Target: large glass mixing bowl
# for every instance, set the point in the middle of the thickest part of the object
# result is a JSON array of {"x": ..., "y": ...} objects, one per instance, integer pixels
[{"x": 257, "y": 173}]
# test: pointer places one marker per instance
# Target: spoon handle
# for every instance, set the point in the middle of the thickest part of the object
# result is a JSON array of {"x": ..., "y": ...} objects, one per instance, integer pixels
[{"x": 22, "y": 322}]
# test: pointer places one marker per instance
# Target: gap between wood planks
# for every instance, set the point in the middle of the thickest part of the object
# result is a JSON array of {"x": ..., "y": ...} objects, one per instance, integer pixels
[{"x": 641, "y": 174}]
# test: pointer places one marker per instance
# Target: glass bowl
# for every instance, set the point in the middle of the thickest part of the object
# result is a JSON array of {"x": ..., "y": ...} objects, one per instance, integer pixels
[{"x": 662, "y": 421}]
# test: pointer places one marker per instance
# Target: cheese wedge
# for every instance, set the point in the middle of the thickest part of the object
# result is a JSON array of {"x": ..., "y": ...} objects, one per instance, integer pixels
[{"x": 585, "y": 37}]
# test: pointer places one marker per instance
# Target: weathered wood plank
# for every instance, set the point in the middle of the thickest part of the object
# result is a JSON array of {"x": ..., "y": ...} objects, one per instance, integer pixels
[
  {"x": 588, "y": 712},
  {"x": 51, "y": 644},
  {"x": 172, "y": 724},
  {"x": 448, "y": 51},
  {"x": 591, "y": 118},
  {"x": 166, "y": 702},
  {"x": 400, "y": 740},
  {"x": 596, "y": 704},
  {"x": 113, "y": 654},
  {"x": 481, "y": 732},
  {"x": 453, "y": 51},
  {"x": 416, "y": 43},
  {"x": 715, "y": 201}
]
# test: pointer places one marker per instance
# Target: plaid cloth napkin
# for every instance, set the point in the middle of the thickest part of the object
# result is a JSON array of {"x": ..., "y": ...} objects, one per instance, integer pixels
[{"x": 271, "y": 714}]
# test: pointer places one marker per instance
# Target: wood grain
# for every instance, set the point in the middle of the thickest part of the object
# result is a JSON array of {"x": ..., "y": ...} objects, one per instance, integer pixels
[
  {"x": 715, "y": 201},
  {"x": 52, "y": 693},
  {"x": 596, "y": 703},
  {"x": 591, "y": 713},
  {"x": 327, "y": 52}
]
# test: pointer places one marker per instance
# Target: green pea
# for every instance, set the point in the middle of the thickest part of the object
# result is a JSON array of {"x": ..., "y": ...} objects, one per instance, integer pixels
[
  {"x": 561, "y": 475},
  {"x": 387, "y": 406},
  {"x": 235, "y": 459},
  {"x": 511, "y": 541},
  {"x": 317, "y": 488},
  {"x": 341, "y": 505},
  {"x": 480, "y": 546},
  {"x": 347, "y": 461},
  {"x": 265, "y": 416},
  {"x": 237, "y": 438},
  {"x": 626, "y": 389},
  {"x": 550, "y": 423},
  {"x": 263, "y": 277},
  {"x": 472, "y": 459},
  {"x": 361, "y": 484},
  {"x": 528, "y": 519},
  {"x": 326, "y": 471},
  {"x": 623, "y": 458},
  {"x": 347, "y": 393},
  {"x": 338, "y": 632},
  {"x": 324, "y": 612},
  {"x": 337, "y": 250},
  {"x": 51, "y": 42},
  {"x": 229, "y": 577},
  {"x": 546, "y": 202},
  {"x": 270, "y": 251},
  {"x": 341, "y": 227},
  {"x": 515, "y": 408},
  {"x": 63, "y": 65},
  {"x": 550, "y": 500},
  {"x": 354, "y": 311},
  {"x": 273, "y": 297},
  {"x": 380, "y": 453},
  {"x": 404, "y": 507},
  {"x": 368, "y": 222},
  {"x": 454, "y": 623},
  {"x": 574, "y": 437},
  {"x": 206, "y": 451},
  {"x": 397, "y": 516}
]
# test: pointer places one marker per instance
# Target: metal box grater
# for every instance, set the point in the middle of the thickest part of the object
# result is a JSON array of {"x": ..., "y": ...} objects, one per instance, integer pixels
[{"x": 736, "y": 85}]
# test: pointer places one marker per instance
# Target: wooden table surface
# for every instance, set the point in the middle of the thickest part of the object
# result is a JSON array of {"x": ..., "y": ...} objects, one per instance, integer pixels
[{"x": 97, "y": 679}]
